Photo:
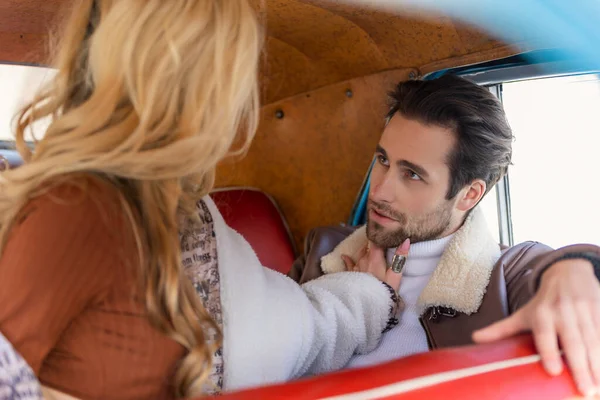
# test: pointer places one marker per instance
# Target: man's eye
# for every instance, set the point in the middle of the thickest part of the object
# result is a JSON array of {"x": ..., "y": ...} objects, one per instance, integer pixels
[
  {"x": 413, "y": 176},
  {"x": 382, "y": 160}
]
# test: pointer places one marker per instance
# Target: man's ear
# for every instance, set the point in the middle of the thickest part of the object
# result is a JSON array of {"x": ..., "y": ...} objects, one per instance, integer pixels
[{"x": 470, "y": 196}]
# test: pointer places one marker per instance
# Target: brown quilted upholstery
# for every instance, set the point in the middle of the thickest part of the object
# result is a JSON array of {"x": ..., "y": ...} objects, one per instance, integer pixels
[{"x": 312, "y": 160}]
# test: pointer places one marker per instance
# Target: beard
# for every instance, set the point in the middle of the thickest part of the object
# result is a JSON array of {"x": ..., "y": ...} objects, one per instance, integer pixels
[{"x": 417, "y": 228}]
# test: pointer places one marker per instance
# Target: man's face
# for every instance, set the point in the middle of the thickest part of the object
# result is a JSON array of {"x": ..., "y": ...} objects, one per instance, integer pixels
[{"x": 409, "y": 183}]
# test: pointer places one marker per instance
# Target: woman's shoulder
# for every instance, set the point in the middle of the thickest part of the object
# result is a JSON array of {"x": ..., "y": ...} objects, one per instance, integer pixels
[
  {"x": 75, "y": 197},
  {"x": 76, "y": 206},
  {"x": 85, "y": 190}
]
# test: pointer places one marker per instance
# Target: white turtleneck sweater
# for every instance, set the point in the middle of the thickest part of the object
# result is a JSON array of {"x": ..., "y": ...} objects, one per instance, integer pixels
[{"x": 408, "y": 337}]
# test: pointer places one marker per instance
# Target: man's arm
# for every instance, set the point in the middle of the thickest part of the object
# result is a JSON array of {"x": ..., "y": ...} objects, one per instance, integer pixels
[
  {"x": 563, "y": 307},
  {"x": 525, "y": 264},
  {"x": 519, "y": 263}
]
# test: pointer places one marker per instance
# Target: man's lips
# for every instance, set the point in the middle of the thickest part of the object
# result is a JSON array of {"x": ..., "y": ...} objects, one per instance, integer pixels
[{"x": 380, "y": 216}]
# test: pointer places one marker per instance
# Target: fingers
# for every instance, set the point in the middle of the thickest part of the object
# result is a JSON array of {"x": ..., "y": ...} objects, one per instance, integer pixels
[
  {"x": 568, "y": 307},
  {"x": 374, "y": 261},
  {"x": 502, "y": 329},
  {"x": 363, "y": 252},
  {"x": 348, "y": 262},
  {"x": 393, "y": 275},
  {"x": 404, "y": 248},
  {"x": 594, "y": 353},
  {"x": 591, "y": 342},
  {"x": 393, "y": 279},
  {"x": 371, "y": 259},
  {"x": 574, "y": 348},
  {"x": 400, "y": 257},
  {"x": 376, "y": 254},
  {"x": 546, "y": 340}
]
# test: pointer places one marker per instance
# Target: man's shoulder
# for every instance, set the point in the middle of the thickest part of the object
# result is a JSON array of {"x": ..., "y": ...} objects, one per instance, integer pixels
[
  {"x": 519, "y": 255},
  {"x": 546, "y": 255},
  {"x": 319, "y": 242},
  {"x": 525, "y": 247},
  {"x": 329, "y": 235}
]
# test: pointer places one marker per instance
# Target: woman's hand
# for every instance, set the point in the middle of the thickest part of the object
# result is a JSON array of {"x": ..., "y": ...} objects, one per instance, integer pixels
[{"x": 371, "y": 259}]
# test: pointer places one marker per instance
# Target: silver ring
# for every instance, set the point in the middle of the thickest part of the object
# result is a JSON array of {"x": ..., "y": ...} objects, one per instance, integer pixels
[{"x": 398, "y": 262}]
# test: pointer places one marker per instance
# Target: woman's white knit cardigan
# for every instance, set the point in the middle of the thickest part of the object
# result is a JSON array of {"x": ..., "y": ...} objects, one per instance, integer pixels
[{"x": 275, "y": 330}]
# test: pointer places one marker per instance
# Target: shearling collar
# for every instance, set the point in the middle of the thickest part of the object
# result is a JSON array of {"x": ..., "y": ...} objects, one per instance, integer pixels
[{"x": 463, "y": 274}]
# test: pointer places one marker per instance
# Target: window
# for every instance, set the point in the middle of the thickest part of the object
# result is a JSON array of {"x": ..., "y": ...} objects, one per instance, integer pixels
[
  {"x": 489, "y": 206},
  {"x": 550, "y": 192},
  {"x": 19, "y": 83},
  {"x": 553, "y": 182}
]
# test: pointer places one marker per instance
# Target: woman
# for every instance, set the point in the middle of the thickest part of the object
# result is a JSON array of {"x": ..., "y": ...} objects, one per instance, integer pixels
[{"x": 149, "y": 96}]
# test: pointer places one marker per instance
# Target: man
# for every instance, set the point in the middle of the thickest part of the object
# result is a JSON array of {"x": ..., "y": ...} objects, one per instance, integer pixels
[{"x": 445, "y": 145}]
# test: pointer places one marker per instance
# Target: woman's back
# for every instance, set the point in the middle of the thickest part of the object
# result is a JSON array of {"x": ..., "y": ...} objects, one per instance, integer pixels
[
  {"x": 71, "y": 297},
  {"x": 150, "y": 94}
]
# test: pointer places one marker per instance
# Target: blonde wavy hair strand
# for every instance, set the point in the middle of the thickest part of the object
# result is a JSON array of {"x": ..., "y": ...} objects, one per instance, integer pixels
[{"x": 151, "y": 95}]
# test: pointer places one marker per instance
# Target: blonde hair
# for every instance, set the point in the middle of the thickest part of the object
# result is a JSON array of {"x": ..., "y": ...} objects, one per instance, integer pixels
[{"x": 151, "y": 94}]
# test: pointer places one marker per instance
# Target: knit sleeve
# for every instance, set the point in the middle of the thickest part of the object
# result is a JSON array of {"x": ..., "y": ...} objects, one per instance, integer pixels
[{"x": 58, "y": 259}]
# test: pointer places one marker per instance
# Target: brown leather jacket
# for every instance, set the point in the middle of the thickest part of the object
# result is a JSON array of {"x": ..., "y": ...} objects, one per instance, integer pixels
[{"x": 513, "y": 282}]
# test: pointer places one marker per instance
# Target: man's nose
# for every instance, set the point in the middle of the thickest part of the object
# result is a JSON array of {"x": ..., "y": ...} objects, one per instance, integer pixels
[{"x": 383, "y": 189}]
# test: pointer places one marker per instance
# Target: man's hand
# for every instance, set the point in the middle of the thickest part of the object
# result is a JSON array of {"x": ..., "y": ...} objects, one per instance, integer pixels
[
  {"x": 371, "y": 259},
  {"x": 566, "y": 308}
]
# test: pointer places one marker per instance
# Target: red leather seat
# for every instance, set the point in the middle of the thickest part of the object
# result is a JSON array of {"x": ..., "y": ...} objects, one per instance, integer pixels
[
  {"x": 255, "y": 216},
  {"x": 505, "y": 370},
  {"x": 252, "y": 213}
]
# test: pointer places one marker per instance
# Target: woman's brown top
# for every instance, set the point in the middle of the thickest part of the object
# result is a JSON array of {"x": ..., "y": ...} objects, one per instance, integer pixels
[{"x": 70, "y": 301}]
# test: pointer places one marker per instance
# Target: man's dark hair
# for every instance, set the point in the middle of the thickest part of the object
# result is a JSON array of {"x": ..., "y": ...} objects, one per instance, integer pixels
[{"x": 483, "y": 147}]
